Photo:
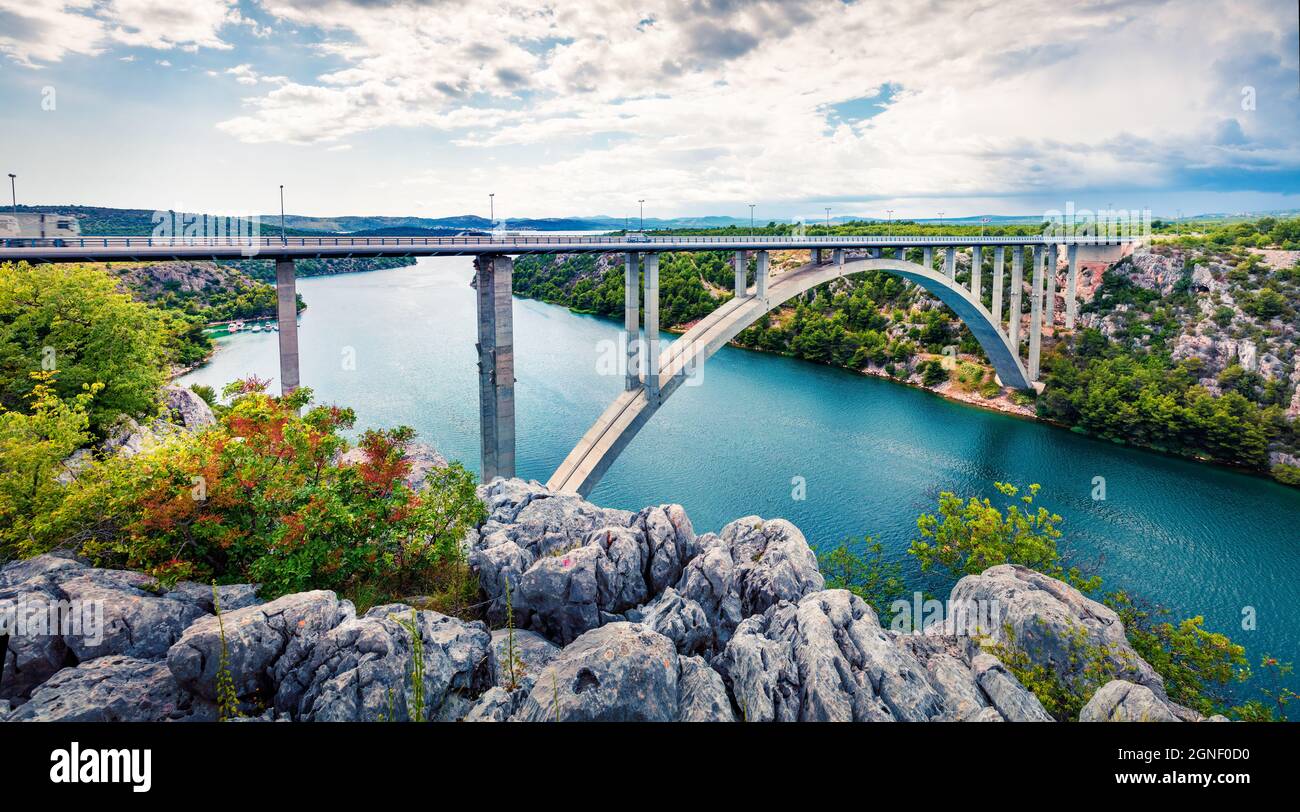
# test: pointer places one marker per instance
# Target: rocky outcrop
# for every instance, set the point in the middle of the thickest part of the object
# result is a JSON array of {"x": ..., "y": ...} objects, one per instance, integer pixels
[
  {"x": 1055, "y": 625},
  {"x": 624, "y": 672},
  {"x": 187, "y": 409},
  {"x": 827, "y": 658},
  {"x": 110, "y": 689},
  {"x": 1123, "y": 701}
]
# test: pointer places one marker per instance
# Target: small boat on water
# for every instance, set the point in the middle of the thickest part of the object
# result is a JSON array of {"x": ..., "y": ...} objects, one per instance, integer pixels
[{"x": 235, "y": 326}]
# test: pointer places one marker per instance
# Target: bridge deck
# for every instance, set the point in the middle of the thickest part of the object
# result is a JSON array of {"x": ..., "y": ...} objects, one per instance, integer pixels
[{"x": 142, "y": 249}]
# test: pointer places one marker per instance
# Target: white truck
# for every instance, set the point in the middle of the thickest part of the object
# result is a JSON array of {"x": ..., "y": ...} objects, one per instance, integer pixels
[{"x": 24, "y": 228}]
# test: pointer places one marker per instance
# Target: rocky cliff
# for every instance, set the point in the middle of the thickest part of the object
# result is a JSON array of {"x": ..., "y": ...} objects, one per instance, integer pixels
[{"x": 618, "y": 616}]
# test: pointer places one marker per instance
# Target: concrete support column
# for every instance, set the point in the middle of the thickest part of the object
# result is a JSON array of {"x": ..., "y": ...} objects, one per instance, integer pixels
[
  {"x": 1036, "y": 313},
  {"x": 837, "y": 256},
  {"x": 1072, "y": 286},
  {"x": 816, "y": 258},
  {"x": 1017, "y": 290},
  {"x": 902, "y": 255},
  {"x": 762, "y": 269},
  {"x": 652, "y": 328},
  {"x": 976, "y": 270},
  {"x": 950, "y": 262},
  {"x": 741, "y": 263},
  {"x": 1049, "y": 302},
  {"x": 496, "y": 365},
  {"x": 286, "y": 309},
  {"x": 927, "y": 257},
  {"x": 999, "y": 254},
  {"x": 632, "y": 318}
]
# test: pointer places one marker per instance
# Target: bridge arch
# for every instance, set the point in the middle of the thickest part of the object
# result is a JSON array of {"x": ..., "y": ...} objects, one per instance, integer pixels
[{"x": 623, "y": 419}]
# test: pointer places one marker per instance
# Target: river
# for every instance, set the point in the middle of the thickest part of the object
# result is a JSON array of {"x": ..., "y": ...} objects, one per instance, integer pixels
[{"x": 398, "y": 346}]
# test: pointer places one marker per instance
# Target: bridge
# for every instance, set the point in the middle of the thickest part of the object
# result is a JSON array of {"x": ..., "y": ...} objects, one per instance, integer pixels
[{"x": 997, "y": 321}]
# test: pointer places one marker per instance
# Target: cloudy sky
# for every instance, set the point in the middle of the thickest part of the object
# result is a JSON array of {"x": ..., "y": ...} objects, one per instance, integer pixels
[{"x": 423, "y": 107}]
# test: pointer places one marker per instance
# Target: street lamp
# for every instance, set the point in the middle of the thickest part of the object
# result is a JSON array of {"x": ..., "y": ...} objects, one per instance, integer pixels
[
  {"x": 14, "y": 191},
  {"x": 828, "y": 218},
  {"x": 492, "y": 208},
  {"x": 751, "y": 218},
  {"x": 642, "y": 202},
  {"x": 889, "y": 223},
  {"x": 283, "y": 241}
]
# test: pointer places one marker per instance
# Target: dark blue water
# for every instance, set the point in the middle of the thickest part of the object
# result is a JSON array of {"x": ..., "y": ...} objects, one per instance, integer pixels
[{"x": 873, "y": 454}]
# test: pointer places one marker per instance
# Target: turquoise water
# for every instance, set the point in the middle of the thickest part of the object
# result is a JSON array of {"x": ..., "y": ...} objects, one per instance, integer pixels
[{"x": 398, "y": 346}]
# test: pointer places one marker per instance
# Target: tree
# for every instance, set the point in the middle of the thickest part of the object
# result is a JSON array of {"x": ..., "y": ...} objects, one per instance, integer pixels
[
  {"x": 33, "y": 446},
  {"x": 73, "y": 320}
]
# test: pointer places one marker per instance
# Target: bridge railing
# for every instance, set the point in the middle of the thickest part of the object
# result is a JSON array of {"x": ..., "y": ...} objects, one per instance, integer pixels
[{"x": 271, "y": 243}]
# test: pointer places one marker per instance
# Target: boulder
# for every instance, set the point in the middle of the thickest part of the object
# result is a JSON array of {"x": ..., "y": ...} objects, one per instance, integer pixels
[
  {"x": 620, "y": 672},
  {"x": 363, "y": 669},
  {"x": 1055, "y": 625},
  {"x": 532, "y": 651},
  {"x": 827, "y": 658},
  {"x": 681, "y": 620},
  {"x": 701, "y": 694},
  {"x": 114, "y": 688},
  {"x": 747, "y": 568},
  {"x": 187, "y": 408},
  {"x": 35, "y": 649},
  {"x": 495, "y": 705},
  {"x": 49, "y": 565},
  {"x": 132, "y": 618},
  {"x": 1123, "y": 701},
  {"x": 232, "y": 596},
  {"x": 264, "y": 643}
]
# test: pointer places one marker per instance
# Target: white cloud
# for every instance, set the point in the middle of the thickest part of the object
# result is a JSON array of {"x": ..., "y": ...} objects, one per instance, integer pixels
[
  {"x": 33, "y": 34},
  {"x": 723, "y": 99}
]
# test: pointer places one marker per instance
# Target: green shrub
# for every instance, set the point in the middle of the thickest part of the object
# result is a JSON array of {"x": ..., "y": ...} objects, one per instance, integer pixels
[{"x": 261, "y": 497}]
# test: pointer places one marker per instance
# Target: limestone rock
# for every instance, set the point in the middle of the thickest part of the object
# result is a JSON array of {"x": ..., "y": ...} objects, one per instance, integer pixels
[
  {"x": 532, "y": 650},
  {"x": 701, "y": 694},
  {"x": 362, "y": 669},
  {"x": 1054, "y": 623},
  {"x": 108, "y": 689},
  {"x": 136, "y": 621},
  {"x": 1123, "y": 701},
  {"x": 264, "y": 643},
  {"x": 187, "y": 408},
  {"x": 828, "y": 659},
  {"x": 39, "y": 652},
  {"x": 620, "y": 672}
]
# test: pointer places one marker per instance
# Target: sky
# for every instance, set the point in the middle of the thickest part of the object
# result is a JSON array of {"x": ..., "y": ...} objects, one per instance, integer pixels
[{"x": 585, "y": 107}]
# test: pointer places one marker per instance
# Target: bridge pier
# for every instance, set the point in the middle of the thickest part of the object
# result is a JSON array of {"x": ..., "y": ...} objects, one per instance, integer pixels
[
  {"x": 496, "y": 365},
  {"x": 652, "y": 328},
  {"x": 632, "y": 319},
  {"x": 999, "y": 255},
  {"x": 1036, "y": 314},
  {"x": 815, "y": 256},
  {"x": 837, "y": 256},
  {"x": 741, "y": 263},
  {"x": 286, "y": 310},
  {"x": 927, "y": 257},
  {"x": 950, "y": 262},
  {"x": 1049, "y": 303},
  {"x": 761, "y": 269},
  {"x": 976, "y": 270},
  {"x": 1072, "y": 286},
  {"x": 1017, "y": 291},
  {"x": 902, "y": 255}
]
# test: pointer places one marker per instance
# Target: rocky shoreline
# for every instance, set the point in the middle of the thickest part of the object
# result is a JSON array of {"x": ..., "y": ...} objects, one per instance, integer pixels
[{"x": 618, "y": 616}]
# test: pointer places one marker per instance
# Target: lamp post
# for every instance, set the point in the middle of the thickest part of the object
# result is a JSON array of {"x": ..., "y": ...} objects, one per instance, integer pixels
[
  {"x": 283, "y": 240},
  {"x": 828, "y": 218},
  {"x": 642, "y": 202},
  {"x": 492, "y": 209},
  {"x": 751, "y": 218},
  {"x": 13, "y": 190},
  {"x": 889, "y": 222}
]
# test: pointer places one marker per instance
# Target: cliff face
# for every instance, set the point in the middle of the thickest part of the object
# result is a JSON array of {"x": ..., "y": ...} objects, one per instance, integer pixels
[{"x": 620, "y": 616}]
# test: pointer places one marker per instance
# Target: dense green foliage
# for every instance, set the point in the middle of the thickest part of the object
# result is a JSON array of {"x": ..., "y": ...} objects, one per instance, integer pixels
[
  {"x": 263, "y": 497},
  {"x": 72, "y": 320},
  {"x": 967, "y": 536}
]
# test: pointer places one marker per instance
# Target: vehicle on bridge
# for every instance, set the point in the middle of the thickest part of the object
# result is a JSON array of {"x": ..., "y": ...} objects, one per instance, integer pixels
[
  {"x": 637, "y": 236},
  {"x": 17, "y": 231}
]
